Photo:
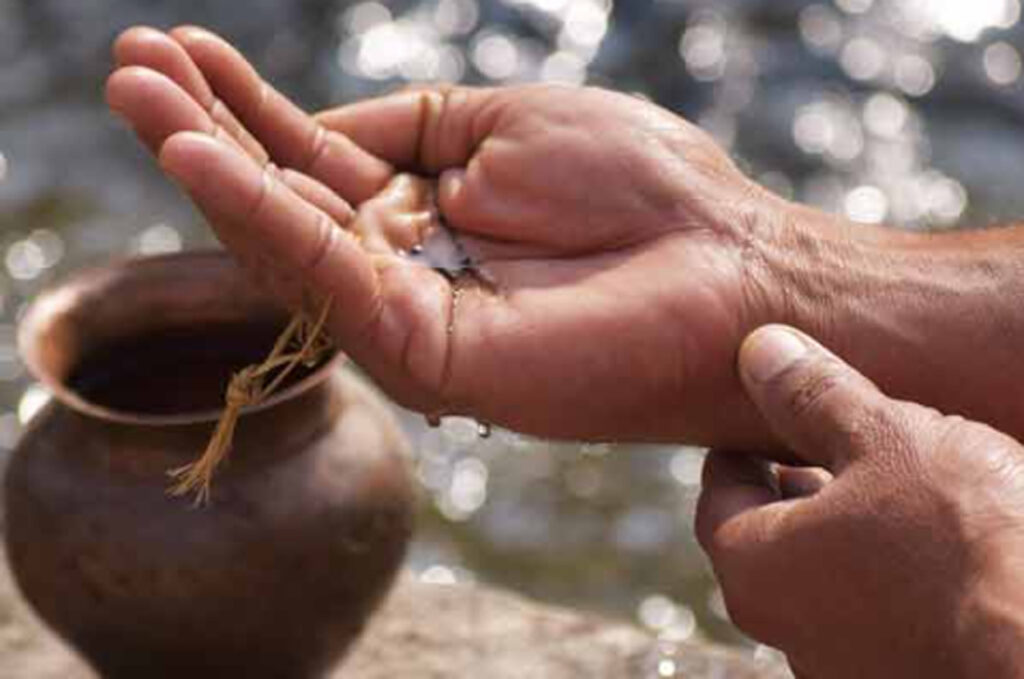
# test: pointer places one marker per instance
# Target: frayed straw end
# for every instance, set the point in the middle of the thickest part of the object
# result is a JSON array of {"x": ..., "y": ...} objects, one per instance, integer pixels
[{"x": 197, "y": 476}]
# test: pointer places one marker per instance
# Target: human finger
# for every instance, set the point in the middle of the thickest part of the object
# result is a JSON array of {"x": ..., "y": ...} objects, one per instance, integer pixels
[
  {"x": 429, "y": 129},
  {"x": 797, "y": 482},
  {"x": 746, "y": 527},
  {"x": 293, "y": 138},
  {"x": 156, "y": 107},
  {"x": 154, "y": 49},
  {"x": 400, "y": 217},
  {"x": 314, "y": 192},
  {"x": 260, "y": 218},
  {"x": 822, "y": 409},
  {"x": 733, "y": 486}
]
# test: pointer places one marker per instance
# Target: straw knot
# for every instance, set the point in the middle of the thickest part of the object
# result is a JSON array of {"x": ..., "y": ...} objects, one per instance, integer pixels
[
  {"x": 243, "y": 388},
  {"x": 247, "y": 388}
]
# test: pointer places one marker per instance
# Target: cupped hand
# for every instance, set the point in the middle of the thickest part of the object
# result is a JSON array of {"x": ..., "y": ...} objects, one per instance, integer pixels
[
  {"x": 610, "y": 236},
  {"x": 897, "y": 553}
]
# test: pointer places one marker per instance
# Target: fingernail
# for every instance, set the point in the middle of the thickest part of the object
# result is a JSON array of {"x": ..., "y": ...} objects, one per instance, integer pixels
[{"x": 769, "y": 351}]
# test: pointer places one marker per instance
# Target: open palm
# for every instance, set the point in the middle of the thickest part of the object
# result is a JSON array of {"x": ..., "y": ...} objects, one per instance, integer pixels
[{"x": 613, "y": 287}]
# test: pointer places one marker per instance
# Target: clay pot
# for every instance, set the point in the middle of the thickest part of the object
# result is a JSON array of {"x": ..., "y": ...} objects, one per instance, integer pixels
[{"x": 308, "y": 521}]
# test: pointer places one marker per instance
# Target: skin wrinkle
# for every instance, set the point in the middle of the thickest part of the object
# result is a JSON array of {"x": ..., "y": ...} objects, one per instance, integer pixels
[
  {"x": 263, "y": 94},
  {"x": 431, "y": 385},
  {"x": 222, "y": 135},
  {"x": 753, "y": 267},
  {"x": 373, "y": 323},
  {"x": 220, "y": 114},
  {"x": 813, "y": 272},
  {"x": 324, "y": 244},
  {"x": 320, "y": 196},
  {"x": 806, "y": 392},
  {"x": 267, "y": 185},
  {"x": 433, "y": 107},
  {"x": 218, "y": 131},
  {"x": 216, "y": 111},
  {"x": 458, "y": 388},
  {"x": 318, "y": 147},
  {"x": 795, "y": 299},
  {"x": 405, "y": 356},
  {"x": 484, "y": 121},
  {"x": 446, "y": 387},
  {"x": 455, "y": 103}
]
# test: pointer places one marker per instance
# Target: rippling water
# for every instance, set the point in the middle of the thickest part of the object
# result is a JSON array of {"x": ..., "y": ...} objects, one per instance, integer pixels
[{"x": 907, "y": 112}]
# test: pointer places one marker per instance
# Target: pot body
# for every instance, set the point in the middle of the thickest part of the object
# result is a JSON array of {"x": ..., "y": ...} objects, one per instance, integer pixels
[{"x": 275, "y": 577}]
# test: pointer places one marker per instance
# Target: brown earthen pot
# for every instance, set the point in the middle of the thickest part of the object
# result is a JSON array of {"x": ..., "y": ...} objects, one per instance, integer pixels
[{"x": 308, "y": 521}]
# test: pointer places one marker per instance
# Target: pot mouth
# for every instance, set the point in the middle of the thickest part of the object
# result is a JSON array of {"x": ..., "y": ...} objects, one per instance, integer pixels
[{"x": 108, "y": 309}]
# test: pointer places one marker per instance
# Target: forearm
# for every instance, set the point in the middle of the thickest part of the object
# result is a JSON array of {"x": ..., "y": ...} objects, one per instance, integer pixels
[{"x": 933, "y": 318}]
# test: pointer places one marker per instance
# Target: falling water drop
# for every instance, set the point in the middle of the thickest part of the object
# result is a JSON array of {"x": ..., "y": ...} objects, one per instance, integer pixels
[{"x": 483, "y": 430}]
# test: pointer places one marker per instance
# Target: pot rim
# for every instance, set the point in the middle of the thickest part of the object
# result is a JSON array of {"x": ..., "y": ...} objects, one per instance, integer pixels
[{"x": 58, "y": 296}]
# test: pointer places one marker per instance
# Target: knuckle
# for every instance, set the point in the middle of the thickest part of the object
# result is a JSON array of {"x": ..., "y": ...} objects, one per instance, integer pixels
[
  {"x": 325, "y": 235},
  {"x": 260, "y": 105},
  {"x": 317, "y": 147},
  {"x": 724, "y": 547},
  {"x": 217, "y": 111},
  {"x": 268, "y": 180}
]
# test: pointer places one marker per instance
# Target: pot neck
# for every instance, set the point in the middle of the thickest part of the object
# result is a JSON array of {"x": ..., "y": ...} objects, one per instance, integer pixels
[{"x": 102, "y": 317}]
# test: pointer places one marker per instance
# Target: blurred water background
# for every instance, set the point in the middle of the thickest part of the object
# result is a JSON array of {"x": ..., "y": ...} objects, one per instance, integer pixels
[{"x": 908, "y": 112}]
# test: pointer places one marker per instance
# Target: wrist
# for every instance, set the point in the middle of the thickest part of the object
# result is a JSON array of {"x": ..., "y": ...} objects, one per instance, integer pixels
[{"x": 930, "y": 318}]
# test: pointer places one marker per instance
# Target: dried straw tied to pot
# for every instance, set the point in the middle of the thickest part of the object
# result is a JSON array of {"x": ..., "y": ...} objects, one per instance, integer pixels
[{"x": 304, "y": 342}]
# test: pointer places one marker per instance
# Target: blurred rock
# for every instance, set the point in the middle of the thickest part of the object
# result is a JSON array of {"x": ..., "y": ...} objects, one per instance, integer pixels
[
  {"x": 27, "y": 650},
  {"x": 431, "y": 631}
]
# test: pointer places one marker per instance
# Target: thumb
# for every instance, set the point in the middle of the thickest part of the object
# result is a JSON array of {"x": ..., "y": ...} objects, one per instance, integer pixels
[{"x": 819, "y": 406}]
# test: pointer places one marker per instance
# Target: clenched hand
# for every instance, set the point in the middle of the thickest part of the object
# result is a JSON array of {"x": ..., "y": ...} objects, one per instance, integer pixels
[{"x": 897, "y": 553}]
